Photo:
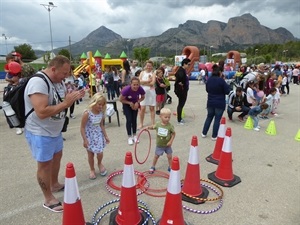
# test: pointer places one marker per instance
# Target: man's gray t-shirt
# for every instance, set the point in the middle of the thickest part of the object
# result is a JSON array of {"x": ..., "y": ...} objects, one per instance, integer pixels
[{"x": 50, "y": 126}]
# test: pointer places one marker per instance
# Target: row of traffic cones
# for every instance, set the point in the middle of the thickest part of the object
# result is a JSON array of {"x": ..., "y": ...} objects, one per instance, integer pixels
[
  {"x": 128, "y": 212},
  {"x": 222, "y": 156},
  {"x": 271, "y": 129}
]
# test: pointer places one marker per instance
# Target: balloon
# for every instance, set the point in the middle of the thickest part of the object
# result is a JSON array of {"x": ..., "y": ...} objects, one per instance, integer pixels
[
  {"x": 209, "y": 66},
  {"x": 201, "y": 66},
  {"x": 260, "y": 94},
  {"x": 14, "y": 67}
]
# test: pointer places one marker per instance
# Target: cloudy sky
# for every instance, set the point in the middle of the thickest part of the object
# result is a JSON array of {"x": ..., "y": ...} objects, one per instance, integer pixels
[{"x": 27, "y": 21}]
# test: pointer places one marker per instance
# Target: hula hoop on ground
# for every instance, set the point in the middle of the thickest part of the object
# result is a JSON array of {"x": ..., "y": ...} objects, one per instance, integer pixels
[
  {"x": 136, "y": 143},
  {"x": 151, "y": 191}
]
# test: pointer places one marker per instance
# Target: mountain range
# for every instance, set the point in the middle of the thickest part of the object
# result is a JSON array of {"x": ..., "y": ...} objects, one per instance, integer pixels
[{"x": 239, "y": 32}]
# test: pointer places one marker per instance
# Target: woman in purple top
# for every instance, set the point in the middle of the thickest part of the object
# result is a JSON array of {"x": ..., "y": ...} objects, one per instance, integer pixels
[{"x": 131, "y": 96}]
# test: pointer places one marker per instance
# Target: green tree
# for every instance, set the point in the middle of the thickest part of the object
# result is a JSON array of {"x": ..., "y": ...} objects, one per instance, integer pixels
[
  {"x": 26, "y": 51},
  {"x": 65, "y": 52},
  {"x": 141, "y": 54}
]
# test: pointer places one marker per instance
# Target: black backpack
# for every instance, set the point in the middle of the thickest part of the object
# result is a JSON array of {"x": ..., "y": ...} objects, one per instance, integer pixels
[{"x": 15, "y": 96}]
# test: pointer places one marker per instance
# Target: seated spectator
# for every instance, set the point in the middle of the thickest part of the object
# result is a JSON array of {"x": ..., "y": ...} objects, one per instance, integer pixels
[{"x": 237, "y": 102}]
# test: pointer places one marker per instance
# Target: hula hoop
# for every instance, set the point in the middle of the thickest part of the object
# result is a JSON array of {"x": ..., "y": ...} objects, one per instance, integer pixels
[{"x": 136, "y": 143}]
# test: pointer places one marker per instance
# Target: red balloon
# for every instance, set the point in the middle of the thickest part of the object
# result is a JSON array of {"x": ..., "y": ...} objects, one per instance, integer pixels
[
  {"x": 14, "y": 67},
  {"x": 201, "y": 66},
  {"x": 209, "y": 66}
]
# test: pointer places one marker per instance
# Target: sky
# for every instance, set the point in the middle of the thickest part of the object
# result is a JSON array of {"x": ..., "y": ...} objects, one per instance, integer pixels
[{"x": 27, "y": 21}]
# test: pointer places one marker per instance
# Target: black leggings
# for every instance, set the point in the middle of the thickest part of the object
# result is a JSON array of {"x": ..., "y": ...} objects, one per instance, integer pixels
[
  {"x": 181, "y": 102},
  {"x": 131, "y": 119},
  {"x": 72, "y": 107}
]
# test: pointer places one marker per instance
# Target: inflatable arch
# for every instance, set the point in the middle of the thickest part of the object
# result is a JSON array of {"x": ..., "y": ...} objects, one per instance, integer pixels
[
  {"x": 234, "y": 58},
  {"x": 192, "y": 53}
]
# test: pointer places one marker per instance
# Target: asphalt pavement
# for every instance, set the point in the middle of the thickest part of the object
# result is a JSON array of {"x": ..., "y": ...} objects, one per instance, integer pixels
[{"x": 268, "y": 166}]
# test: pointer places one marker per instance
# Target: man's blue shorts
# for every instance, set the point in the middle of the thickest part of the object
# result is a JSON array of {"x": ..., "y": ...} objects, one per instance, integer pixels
[{"x": 43, "y": 148}]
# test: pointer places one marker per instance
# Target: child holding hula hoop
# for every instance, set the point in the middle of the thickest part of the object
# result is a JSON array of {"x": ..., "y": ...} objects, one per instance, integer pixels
[{"x": 165, "y": 134}]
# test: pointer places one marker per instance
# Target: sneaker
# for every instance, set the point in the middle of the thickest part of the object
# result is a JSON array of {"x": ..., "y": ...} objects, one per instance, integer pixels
[
  {"x": 180, "y": 123},
  {"x": 152, "y": 169},
  {"x": 214, "y": 138},
  {"x": 130, "y": 141},
  {"x": 203, "y": 135},
  {"x": 19, "y": 131},
  {"x": 72, "y": 116},
  {"x": 136, "y": 140},
  {"x": 256, "y": 128},
  {"x": 157, "y": 112}
]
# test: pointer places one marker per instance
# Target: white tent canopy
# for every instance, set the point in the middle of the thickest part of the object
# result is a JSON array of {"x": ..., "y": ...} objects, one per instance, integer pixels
[{"x": 44, "y": 59}]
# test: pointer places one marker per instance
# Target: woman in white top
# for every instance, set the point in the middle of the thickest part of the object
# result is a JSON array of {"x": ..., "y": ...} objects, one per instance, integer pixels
[
  {"x": 250, "y": 93},
  {"x": 147, "y": 80}
]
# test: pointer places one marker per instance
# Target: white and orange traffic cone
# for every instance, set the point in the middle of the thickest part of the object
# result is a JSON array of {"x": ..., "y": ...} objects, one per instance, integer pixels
[
  {"x": 73, "y": 212},
  {"x": 172, "y": 213},
  {"x": 128, "y": 212},
  {"x": 192, "y": 189},
  {"x": 215, "y": 157},
  {"x": 224, "y": 174}
]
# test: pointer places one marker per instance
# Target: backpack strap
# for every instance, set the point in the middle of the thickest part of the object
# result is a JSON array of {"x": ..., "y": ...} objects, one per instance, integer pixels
[{"x": 44, "y": 78}]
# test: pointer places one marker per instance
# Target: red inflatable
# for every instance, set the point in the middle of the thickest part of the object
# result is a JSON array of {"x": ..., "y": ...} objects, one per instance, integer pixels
[{"x": 14, "y": 67}]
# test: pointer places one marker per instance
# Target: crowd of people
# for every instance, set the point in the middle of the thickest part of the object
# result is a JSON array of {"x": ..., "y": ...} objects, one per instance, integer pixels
[{"x": 257, "y": 95}]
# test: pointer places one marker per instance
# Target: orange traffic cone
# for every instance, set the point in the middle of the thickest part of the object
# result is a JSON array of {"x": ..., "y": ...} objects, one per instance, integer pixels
[
  {"x": 215, "y": 157},
  {"x": 128, "y": 212},
  {"x": 73, "y": 213},
  {"x": 192, "y": 189},
  {"x": 224, "y": 175},
  {"x": 172, "y": 213}
]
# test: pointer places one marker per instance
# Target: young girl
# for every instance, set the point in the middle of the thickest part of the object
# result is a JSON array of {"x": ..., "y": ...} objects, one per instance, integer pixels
[
  {"x": 160, "y": 89},
  {"x": 276, "y": 100},
  {"x": 259, "y": 86},
  {"x": 251, "y": 93},
  {"x": 93, "y": 133}
]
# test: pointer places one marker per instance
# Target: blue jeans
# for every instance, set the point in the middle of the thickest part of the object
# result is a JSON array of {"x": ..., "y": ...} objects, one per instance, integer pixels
[
  {"x": 255, "y": 121},
  {"x": 211, "y": 113},
  {"x": 110, "y": 91}
]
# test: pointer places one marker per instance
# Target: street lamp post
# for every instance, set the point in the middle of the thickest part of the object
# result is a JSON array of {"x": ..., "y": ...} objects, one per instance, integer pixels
[
  {"x": 256, "y": 51},
  {"x": 128, "y": 47},
  {"x": 284, "y": 53},
  {"x": 210, "y": 47},
  {"x": 5, "y": 38},
  {"x": 176, "y": 45},
  {"x": 49, "y": 7}
]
